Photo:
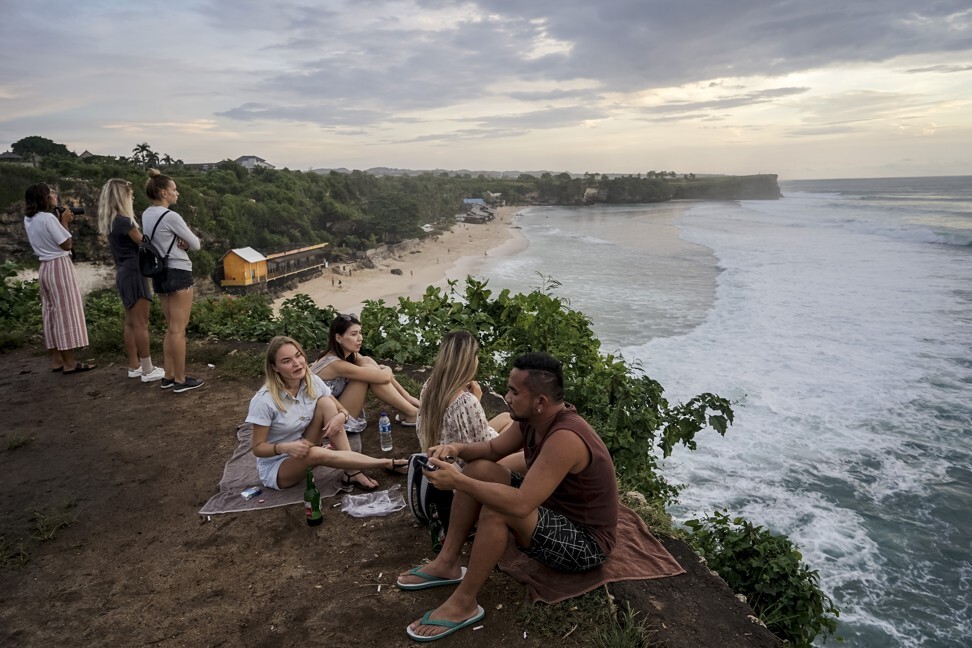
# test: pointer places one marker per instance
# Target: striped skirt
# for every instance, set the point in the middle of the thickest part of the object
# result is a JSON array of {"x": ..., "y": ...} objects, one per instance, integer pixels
[{"x": 61, "y": 305}]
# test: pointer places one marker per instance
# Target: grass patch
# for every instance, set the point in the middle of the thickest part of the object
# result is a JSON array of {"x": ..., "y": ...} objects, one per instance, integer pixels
[
  {"x": 13, "y": 554},
  {"x": 17, "y": 440},
  {"x": 574, "y": 620},
  {"x": 625, "y": 632},
  {"x": 46, "y": 522}
]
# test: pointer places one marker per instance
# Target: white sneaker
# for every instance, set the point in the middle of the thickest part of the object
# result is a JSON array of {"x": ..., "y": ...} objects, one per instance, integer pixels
[
  {"x": 156, "y": 374},
  {"x": 135, "y": 373}
]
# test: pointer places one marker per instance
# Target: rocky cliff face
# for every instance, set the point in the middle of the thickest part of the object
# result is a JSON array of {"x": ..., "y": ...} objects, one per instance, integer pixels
[
  {"x": 84, "y": 229},
  {"x": 753, "y": 187}
]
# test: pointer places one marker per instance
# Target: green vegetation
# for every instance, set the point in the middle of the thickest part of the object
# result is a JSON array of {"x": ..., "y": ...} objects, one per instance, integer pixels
[
  {"x": 17, "y": 440},
  {"x": 46, "y": 522},
  {"x": 276, "y": 209},
  {"x": 769, "y": 570},
  {"x": 627, "y": 631}
]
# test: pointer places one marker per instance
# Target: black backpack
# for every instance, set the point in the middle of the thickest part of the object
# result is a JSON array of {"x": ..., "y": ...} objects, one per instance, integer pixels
[
  {"x": 430, "y": 505},
  {"x": 149, "y": 262}
]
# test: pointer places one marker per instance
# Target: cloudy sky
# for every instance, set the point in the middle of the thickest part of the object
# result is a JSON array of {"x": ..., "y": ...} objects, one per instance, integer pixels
[{"x": 802, "y": 88}]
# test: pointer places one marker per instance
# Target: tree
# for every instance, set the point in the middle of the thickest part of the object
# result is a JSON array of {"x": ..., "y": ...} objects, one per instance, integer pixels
[
  {"x": 143, "y": 154},
  {"x": 36, "y": 145}
]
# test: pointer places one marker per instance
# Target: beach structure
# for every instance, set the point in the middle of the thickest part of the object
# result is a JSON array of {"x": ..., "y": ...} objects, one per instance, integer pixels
[{"x": 243, "y": 270}]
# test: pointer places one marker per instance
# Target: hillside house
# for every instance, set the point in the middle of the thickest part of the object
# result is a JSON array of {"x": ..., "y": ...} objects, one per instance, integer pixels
[
  {"x": 250, "y": 162},
  {"x": 243, "y": 267}
]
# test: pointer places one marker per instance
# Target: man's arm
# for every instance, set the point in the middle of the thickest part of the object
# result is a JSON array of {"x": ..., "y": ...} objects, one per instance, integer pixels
[{"x": 563, "y": 452}]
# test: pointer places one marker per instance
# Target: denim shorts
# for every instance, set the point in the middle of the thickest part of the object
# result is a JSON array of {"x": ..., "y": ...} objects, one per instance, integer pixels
[
  {"x": 171, "y": 281},
  {"x": 561, "y": 543}
]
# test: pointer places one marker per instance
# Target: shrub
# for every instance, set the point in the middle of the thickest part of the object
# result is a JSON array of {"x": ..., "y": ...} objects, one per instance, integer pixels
[
  {"x": 769, "y": 570},
  {"x": 20, "y": 309}
]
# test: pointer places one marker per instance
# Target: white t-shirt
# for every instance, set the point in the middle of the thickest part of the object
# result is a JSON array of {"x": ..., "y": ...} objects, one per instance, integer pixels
[{"x": 45, "y": 233}]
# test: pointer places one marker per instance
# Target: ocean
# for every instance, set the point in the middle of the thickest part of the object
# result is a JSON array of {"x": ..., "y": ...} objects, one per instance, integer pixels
[{"x": 839, "y": 322}]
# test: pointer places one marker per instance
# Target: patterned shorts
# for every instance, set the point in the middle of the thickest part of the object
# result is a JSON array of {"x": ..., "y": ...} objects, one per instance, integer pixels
[{"x": 560, "y": 543}]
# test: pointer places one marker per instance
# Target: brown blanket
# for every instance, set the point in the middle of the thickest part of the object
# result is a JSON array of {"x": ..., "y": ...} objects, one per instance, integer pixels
[
  {"x": 241, "y": 473},
  {"x": 637, "y": 555}
]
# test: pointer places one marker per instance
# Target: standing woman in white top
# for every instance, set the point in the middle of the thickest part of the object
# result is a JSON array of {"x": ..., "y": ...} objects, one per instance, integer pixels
[
  {"x": 62, "y": 308},
  {"x": 116, "y": 222},
  {"x": 170, "y": 240}
]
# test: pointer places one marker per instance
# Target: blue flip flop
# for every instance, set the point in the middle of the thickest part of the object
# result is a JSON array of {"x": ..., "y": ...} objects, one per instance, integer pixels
[
  {"x": 429, "y": 580},
  {"x": 451, "y": 625}
]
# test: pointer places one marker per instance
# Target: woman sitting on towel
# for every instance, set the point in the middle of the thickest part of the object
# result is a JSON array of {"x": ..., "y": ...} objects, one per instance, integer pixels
[
  {"x": 350, "y": 375},
  {"x": 450, "y": 410},
  {"x": 292, "y": 414}
]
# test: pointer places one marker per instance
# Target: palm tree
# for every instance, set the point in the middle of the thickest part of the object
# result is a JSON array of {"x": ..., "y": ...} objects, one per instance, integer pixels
[
  {"x": 167, "y": 160},
  {"x": 142, "y": 153}
]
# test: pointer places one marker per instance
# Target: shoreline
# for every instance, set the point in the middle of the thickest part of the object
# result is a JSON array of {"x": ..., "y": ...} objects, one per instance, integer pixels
[{"x": 429, "y": 262}]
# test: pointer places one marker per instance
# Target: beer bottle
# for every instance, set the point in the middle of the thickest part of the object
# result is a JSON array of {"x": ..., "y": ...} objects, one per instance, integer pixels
[{"x": 312, "y": 501}]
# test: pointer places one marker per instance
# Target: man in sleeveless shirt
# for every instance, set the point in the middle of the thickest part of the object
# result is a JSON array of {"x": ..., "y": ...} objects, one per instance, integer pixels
[{"x": 548, "y": 479}]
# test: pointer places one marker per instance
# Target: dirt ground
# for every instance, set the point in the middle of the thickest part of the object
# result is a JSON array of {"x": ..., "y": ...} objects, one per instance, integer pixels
[{"x": 130, "y": 465}]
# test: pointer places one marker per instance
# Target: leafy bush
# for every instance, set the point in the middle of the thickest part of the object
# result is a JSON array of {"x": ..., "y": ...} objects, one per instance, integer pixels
[
  {"x": 625, "y": 406},
  {"x": 248, "y": 317},
  {"x": 769, "y": 570},
  {"x": 303, "y": 320},
  {"x": 20, "y": 309}
]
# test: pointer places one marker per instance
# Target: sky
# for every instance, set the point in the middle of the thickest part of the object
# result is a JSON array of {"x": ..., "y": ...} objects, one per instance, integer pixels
[{"x": 800, "y": 88}]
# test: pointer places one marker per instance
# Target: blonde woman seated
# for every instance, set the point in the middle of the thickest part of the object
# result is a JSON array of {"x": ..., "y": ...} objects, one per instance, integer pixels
[
  {"x": 350, "y": 375},
  {"x": 450, "y": 410},
  {"x": 292, "y": 414}
]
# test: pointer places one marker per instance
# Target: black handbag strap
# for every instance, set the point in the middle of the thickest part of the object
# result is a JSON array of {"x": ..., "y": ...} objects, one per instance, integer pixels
[{"x": 174, "y": 237}]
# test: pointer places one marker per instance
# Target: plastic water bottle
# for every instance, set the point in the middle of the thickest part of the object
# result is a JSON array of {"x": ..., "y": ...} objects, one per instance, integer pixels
[{"x": 384, "y": 432}]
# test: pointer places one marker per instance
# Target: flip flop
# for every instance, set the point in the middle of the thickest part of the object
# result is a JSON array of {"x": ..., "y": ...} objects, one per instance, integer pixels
[
  {"x": 404, "y": 423},
  {"x": 78, "y": 368},
  {"x": 430, "y": 581},
  {"x": 58, "y": 370},
  {"x": 348, "y": 480},
  {"x": 452, "y": 626}
]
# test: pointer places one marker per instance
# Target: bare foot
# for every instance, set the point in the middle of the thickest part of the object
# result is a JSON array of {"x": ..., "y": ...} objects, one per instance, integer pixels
[{"x": 360, "y": 479}]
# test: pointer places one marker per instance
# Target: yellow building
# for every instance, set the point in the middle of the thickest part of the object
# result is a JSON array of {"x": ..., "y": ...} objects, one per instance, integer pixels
[{"x": 243, "y": 267}]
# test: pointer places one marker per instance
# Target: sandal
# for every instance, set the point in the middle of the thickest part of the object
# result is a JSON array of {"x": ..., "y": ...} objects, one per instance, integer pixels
[
  {"x": 348, "y": 480},
  {"x": 401, "y": 421},
  {"x": 398, "y": 467},
  {"x": 78, "y": 368}
]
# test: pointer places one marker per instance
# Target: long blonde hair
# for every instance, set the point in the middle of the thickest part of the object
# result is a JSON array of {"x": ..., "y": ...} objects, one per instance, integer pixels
[
  {"x": 455, "y": 366},
  {"x": 114, "y": 201},
  {"x": 275, "y": 384}
]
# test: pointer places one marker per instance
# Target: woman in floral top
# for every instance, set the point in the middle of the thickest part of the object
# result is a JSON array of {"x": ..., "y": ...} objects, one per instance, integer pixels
[{"x": 450, "y": 411}]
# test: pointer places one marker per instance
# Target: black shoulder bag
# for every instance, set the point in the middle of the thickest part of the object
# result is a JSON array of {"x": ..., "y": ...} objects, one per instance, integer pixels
[{"x": 149, "y": 262}]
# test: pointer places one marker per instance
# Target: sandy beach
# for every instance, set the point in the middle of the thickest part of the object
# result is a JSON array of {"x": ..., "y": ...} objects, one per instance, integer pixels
[{"x": 430, "y": 262}]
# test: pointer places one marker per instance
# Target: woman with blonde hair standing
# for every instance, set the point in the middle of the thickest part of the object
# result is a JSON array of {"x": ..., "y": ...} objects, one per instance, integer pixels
[
  {"x": 170, "y": 238},
  {"x": 61, "y": 306},
  {"x": 292, "y": 415},
  {"x": 450, "y": 411},
  {"x": 116, "y": 222}
]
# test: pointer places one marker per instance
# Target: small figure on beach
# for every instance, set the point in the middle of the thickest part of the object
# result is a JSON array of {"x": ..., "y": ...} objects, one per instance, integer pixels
[
  {"x": 350, "y": 375},
  {"x": 62, "y": 309},
  {"x": 170, "y": 237},
  {"x": 332, "y": 282},
  {"x": 292, "y": 414},
  {"x": 548, "y": 479},
  {"x": 116, "y": 222},
  {"x": 450, "y": 410}
]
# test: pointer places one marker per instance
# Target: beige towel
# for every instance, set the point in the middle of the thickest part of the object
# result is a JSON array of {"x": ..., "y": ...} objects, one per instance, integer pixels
[
  {"x": 241, "y": 473},
  {"x": 637, "y": 555}
]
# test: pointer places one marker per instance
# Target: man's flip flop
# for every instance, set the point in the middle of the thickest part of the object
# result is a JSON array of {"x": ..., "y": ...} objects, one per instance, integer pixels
[
  {"x": 429, "y": 581},
  {"x": 451, "y": 625}
]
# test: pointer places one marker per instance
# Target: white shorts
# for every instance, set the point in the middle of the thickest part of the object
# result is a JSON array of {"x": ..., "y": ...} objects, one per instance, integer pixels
[{"x": 268, "y": 467}]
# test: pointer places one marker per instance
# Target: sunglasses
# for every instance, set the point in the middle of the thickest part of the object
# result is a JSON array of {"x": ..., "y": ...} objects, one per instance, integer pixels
[{"x": 349, "y": 317}]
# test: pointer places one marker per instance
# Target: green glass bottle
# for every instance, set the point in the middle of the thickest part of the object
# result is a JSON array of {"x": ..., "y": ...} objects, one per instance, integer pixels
[{"x": 312, "y": 501}]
